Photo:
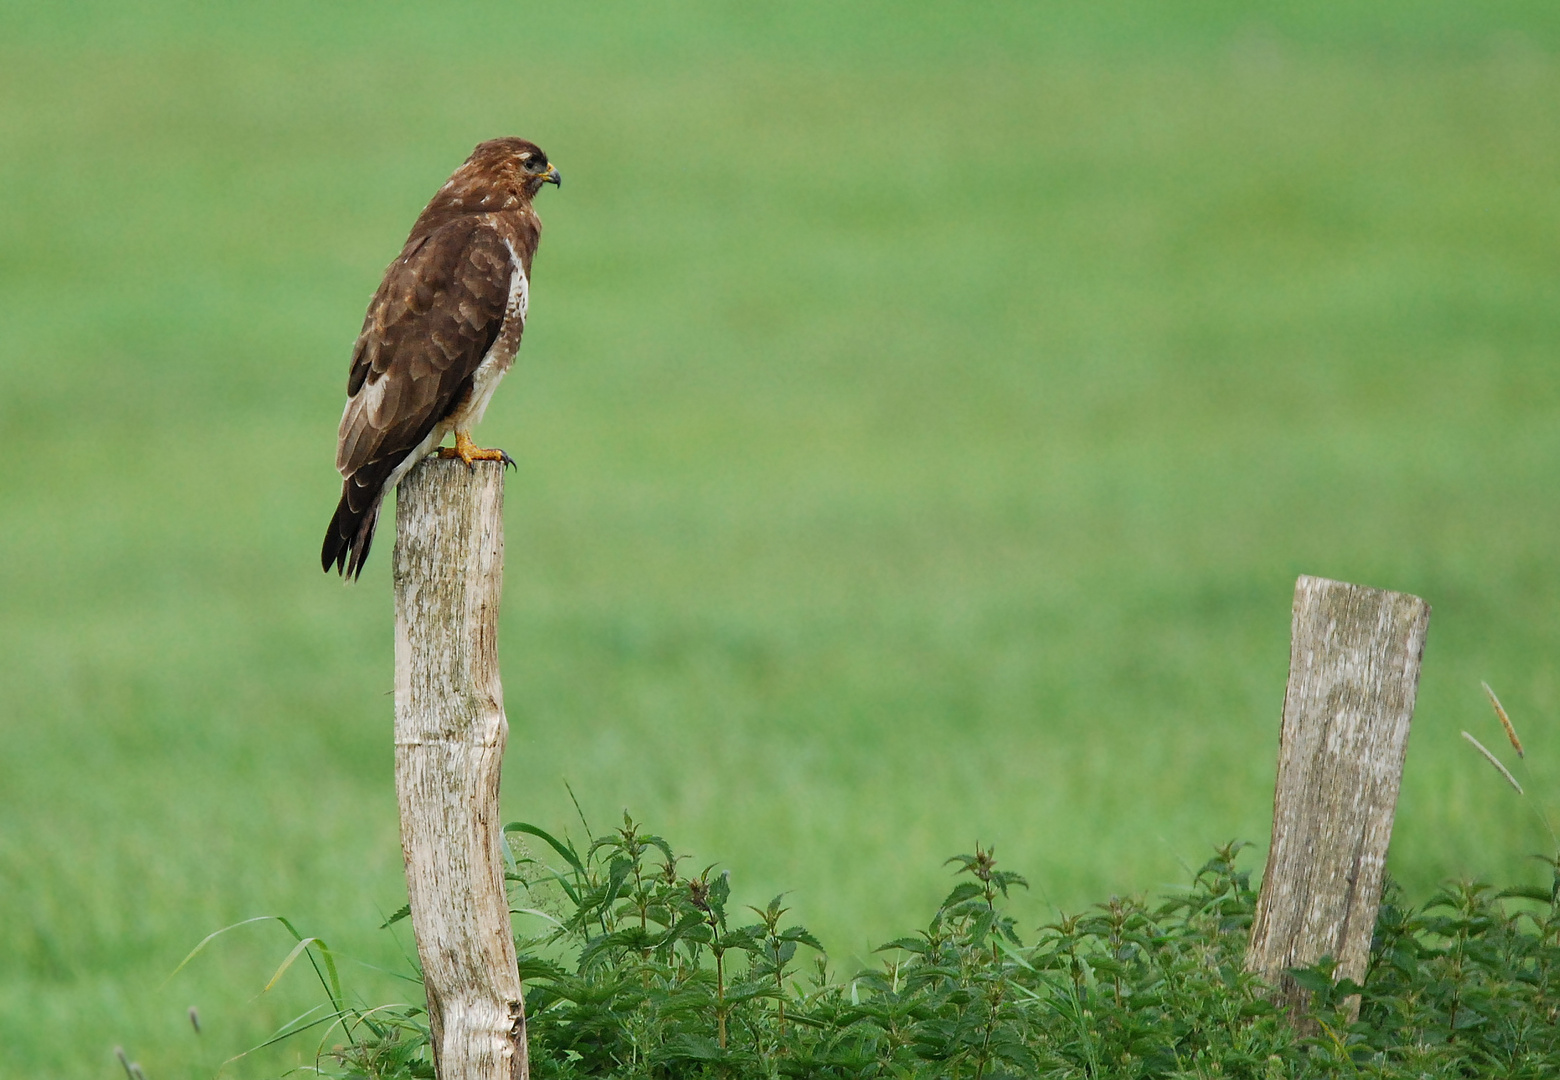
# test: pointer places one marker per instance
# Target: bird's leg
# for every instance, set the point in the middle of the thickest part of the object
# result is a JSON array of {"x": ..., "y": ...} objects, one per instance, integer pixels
[{"x": 469, "y": 451}]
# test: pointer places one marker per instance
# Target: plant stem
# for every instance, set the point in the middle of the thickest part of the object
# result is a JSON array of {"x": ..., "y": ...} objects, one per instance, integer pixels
[{"x": 720, "y": 996}]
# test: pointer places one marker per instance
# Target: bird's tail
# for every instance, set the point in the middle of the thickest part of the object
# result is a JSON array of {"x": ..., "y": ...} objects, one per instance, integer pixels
[{"x": 351, "y": 531}]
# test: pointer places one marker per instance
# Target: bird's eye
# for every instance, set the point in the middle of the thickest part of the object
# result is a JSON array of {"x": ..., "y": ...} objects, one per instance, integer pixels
[{"x": 537, "y": 164}]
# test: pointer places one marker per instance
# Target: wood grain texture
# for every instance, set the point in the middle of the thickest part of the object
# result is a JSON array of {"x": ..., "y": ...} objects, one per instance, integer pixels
[
  {"x": 1353, "y": 676},
  {"x": 450, "y": 733}
]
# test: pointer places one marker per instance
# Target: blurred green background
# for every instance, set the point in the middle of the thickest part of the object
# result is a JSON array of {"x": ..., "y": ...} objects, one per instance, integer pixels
[{"x": 925, "y": 413}]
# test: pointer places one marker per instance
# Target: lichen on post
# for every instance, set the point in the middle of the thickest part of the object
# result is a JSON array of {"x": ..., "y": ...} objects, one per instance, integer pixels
[{"x": 450, "y": 733}]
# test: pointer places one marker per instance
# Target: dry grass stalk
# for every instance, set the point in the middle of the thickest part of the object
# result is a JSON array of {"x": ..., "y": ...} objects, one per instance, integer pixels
[
  {"x": 1505, "y": 721},
  {"x": 1495, "y": 761}
]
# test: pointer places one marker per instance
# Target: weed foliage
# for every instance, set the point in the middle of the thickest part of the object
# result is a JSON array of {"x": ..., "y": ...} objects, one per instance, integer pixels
[{"x": 642, "y": 971}]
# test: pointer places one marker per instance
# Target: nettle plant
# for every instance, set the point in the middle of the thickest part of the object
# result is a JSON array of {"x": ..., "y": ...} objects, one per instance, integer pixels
[
  {"x": 643, "y": 967},
  {"x": 636, "y": 970},
  {"x": 642, "y": 971}
]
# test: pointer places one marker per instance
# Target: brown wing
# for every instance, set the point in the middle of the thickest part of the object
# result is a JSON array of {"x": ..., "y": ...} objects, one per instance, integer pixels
[
  {"x": 436, "y": 314},
  {"x": 430, "y": 324}
]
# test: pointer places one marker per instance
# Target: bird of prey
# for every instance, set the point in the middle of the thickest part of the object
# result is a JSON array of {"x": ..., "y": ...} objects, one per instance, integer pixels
[{"x": 440, "y": 332}]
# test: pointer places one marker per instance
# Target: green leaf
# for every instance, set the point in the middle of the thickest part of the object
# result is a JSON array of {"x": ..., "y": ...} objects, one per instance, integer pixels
[
  {"x": 566, "y": 850},
  {"x": 720, "y": 889},
  {"x": 1012, "y": 953},
  {"x": 691, "y": 1048},
  {"x": 630, "y": 939},
  {"x": 1528, "y": 892},
  {"x": 965, "y": 890},
  {"x": 1468, "y": 1018},
  {"x": 537, "y": 967},
  {"x": 617, "y": 874},
  {"x": 1309, "y": 978},
  {"x": 748, "y": 937},
  {"x": 1003, "y": 879},
  {"x": 801, "y": 934},
  {"x": 297, "y": 951},
  {"x": 538, "y": 913}
]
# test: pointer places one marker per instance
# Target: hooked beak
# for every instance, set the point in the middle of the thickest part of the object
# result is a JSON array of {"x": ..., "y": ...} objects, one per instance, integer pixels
[{"x": 553, "y": 176}]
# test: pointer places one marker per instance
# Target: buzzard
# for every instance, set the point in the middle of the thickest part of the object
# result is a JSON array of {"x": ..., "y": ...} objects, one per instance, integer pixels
[{"x": 440, "y": 332}]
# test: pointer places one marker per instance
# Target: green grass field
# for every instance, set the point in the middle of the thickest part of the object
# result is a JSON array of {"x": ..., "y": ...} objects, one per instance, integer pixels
[{"x": 924, "y": 416}]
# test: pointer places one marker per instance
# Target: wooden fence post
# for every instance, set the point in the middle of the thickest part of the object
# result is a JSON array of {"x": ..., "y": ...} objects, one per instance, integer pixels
[
  {"x": 1353, "y": 675},
  {"x": 449, "y": 748}
]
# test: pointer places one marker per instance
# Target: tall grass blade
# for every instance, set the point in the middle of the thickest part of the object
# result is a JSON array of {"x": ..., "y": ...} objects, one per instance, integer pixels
[
  {"x": 209, "y": 938},
  {"x": 1495, "y": 761},
  {"x": 567, "y": 851},
  {"x": 297, "y": 950},
  {"x": 288, "y": 1030}
]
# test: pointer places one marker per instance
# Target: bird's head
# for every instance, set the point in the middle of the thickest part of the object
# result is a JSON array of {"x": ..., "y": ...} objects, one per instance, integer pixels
[{"x": 515, "y": 163}]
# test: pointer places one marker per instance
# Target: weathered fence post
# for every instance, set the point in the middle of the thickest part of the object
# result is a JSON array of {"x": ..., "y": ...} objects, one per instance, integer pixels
[
  {"x": 1353, "y": 674},
  {"x": 449, "y": 747}
]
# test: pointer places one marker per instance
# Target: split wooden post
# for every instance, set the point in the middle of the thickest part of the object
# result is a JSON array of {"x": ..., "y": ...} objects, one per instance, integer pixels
[
  {"x": 1353, "y": 675},
  {"x": 449, "y": 748}
]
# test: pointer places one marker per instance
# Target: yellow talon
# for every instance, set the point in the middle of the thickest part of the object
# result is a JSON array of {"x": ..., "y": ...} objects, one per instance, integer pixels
[{"x": 469, "y": 451}]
